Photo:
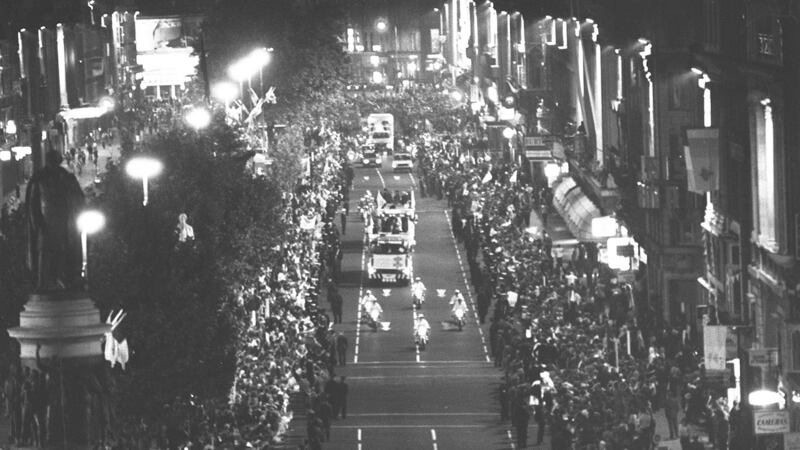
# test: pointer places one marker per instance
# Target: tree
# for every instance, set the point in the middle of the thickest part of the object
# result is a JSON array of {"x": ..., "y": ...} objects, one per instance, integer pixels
[
  {"x": 307, "y": 60},
  {"x": 184, "y": 313}
]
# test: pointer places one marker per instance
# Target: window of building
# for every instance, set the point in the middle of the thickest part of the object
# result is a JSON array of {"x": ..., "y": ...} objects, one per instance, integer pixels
[
  {"x": 765, "y": 174},
  {"x": 712, "y": 31},
  {"x": 795, "y": 350}
]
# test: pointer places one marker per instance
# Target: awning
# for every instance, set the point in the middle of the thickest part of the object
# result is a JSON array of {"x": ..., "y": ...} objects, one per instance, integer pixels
[{"x": 576, "y": 209}]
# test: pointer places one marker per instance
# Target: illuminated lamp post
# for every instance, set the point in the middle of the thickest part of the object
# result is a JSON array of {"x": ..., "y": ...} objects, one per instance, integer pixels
[
  {"x": 144, "y": 168},
  {"x": 552, "y": 170},
  {"x": 89, "y": 222},
  {"x": 198, "y": 117}
]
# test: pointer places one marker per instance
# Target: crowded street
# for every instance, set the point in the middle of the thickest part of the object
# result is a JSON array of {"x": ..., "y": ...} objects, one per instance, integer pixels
[
  {"x": 400, "y": 224},
  {"x": 401, "y": 397}
]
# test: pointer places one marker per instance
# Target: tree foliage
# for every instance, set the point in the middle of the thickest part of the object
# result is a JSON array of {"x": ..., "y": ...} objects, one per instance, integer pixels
[
  {"x": 184, "y": 313},
  {"x": 307, "y": 58}
]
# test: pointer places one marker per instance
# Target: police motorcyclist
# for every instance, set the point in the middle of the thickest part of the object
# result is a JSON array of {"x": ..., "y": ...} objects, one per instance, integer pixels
[
  {"x": 422, "y": 327},
  {"x": 418, "y": 290}
]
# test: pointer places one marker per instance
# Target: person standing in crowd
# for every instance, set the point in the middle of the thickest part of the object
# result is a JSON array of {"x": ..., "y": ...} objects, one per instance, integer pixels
[
  {"x": 336, "y": 302},
  {"x": 671, "y": 408},
  {"x": 520, "y": 416},
  {"x": 341, "y": 348},
  {"x": 343, "y": 219}
]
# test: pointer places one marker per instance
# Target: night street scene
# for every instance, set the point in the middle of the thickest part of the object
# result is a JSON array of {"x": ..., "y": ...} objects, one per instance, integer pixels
[{"x": 400, "y": 224}]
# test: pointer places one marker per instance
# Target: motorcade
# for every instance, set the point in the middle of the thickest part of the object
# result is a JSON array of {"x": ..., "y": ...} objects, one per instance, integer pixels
[
  {"x": 381, "y": 131},
  {"x": 389, "y": 260},
  {"x": 370, "y": 157},
  {"x": 402, "y": 161}
]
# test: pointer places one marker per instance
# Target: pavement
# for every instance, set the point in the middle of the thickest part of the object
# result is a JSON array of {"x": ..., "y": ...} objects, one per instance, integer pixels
[{"x": 86, "y": 176}]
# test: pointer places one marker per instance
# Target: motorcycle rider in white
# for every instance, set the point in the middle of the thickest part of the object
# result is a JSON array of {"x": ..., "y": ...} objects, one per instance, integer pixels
[
  {"x": 422, "y": 328},
  {"x": 418, "y": 290},
  {"x": 459, "y": 308},
  {"x": 371, "y": 308}
]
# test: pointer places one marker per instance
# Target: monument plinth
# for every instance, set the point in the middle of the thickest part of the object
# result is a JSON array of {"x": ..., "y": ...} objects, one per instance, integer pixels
[{"x": 62, "y": 387}]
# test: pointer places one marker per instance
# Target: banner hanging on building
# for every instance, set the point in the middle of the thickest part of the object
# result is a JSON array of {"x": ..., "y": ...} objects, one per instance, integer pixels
[
  {"x": 714, "y": 351},
  {"x": 702, "y": 159}
]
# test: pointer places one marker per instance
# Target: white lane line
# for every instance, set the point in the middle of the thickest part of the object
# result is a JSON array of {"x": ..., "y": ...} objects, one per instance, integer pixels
[
  {"x": 466, "y": 282},
  {"x": 433, "y": 436},
  {"x": 359, "y": 439},
  {"x": 443, "y": 362},
  {"x": 383, "y": 182},
  {"x": 409, "y": 426},
  {"x": 405, "y": 376},
  {"x": 413, "y": 180},
  {"x": 413, "y": 324},
  {"x": 358, "y": 302},
  {"x": 443, "y": 414},
  {"x": 510, "y": 438}
]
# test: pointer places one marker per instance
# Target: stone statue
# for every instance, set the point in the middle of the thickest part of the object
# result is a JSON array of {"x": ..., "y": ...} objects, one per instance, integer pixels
[{"x": 52, "y": 201}]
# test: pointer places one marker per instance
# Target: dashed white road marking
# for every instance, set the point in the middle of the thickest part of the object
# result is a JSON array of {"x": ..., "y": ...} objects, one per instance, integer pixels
[
  {"x": 358, "y": 303},
  {"x": 433, "y": 436},
  {"x": 466, "y": 284},
  {"x": 511, "y": 438},
  {"x": 380, "y": 175}
]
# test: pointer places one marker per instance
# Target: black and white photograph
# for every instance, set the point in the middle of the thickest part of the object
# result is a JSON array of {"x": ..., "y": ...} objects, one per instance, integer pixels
[{"x": 400, "y": 224}]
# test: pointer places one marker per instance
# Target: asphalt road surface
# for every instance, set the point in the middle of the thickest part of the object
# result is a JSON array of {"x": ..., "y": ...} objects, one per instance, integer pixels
[{"x": 401, "y": 398}]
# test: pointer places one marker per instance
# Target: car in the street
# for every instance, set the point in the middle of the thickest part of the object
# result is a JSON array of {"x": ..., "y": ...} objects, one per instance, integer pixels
[
  {"x": 370, "y": 157},
  {"x": 402, "y": 161}
]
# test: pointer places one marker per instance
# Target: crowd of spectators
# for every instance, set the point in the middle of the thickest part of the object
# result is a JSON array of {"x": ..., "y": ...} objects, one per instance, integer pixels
[{"x": 579, "y": 353}]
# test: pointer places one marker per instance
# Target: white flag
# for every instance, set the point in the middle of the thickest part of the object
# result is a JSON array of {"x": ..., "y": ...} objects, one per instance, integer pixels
[
  {"x": 488, "y": 177},
  {"x": 122, "y": 353},
  {"x": 513, "y": 178},
  {"x": 381, "y": 201}
]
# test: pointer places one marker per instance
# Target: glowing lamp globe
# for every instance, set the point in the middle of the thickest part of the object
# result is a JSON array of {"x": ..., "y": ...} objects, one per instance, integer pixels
[
  {"x": 143, "y": 167},
  {"x": 764, "y": 397},
  {"x": 91, "y": 221},
  {"x": 198, "y": 118}
]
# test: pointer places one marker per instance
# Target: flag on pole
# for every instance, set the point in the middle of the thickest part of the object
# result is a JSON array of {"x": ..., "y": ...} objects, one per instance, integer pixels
[
  {"x": 381, "y": 201},
  {"x": 513, "y": 178},
  {"x": 488, "y": 177}
]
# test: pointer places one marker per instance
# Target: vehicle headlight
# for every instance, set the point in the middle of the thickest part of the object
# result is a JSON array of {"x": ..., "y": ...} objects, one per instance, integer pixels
[
  {"x": 378, "y": 160},
  {"x": 366, "y": 160}
]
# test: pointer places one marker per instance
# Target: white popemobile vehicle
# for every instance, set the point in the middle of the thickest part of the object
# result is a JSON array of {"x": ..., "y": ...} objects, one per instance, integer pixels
[{"x": 390, "y": 231}]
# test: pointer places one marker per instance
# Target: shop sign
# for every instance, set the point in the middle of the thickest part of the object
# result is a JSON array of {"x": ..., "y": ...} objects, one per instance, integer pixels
[
  {"x": 771, "y": 422},
  {"x": 763, "y": 357},
  {"x": 534, "y": 141},
  {"x": 539, "y": 154},
  {"x": 714, "y": 351}
]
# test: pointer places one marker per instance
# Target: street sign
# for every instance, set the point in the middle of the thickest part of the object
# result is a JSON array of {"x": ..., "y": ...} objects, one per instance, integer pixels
[
  {"x": 533, "y": 141},
  {"x": 771, "y": 422},
  {"x": 539, "y": 154},
  {"x": 763, "y": 357}
]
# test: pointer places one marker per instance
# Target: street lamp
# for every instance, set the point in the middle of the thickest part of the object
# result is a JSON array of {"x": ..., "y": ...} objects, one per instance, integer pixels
[
  {"x": 89, "y": 222},
  {"x": 145, "y": 168},
  {"x": 198, "y": 117},
  {"x": 764, "y": 397},
  {"x": 245, "y": 68},
  {"x": 381, "y": 25},
  {"x": 225, "y": 91}
]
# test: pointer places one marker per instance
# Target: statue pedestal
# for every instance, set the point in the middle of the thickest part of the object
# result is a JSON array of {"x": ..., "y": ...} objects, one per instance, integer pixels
[
  {"x": 67, "y": 325},
  {"x": 67, "y": 329}
]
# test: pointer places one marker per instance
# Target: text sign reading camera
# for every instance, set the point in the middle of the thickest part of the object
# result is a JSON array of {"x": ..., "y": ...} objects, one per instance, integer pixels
[{"x": 771, "y": 422}]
